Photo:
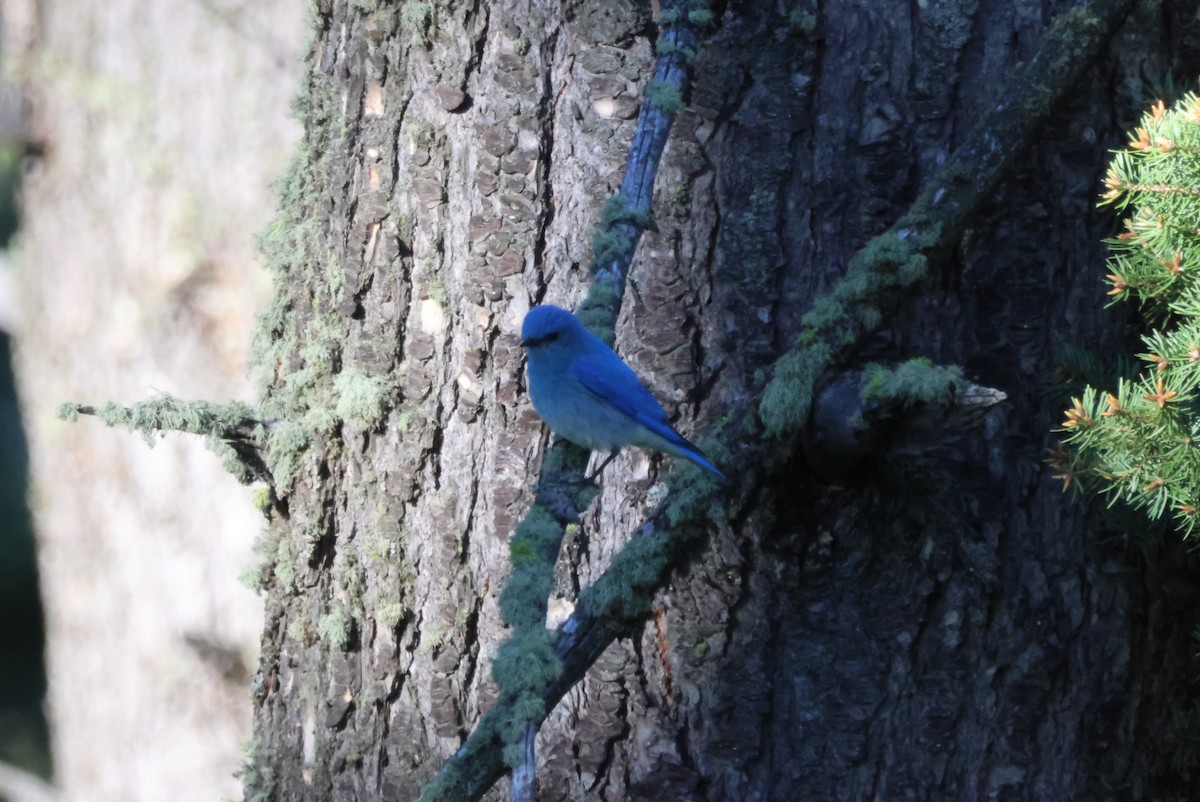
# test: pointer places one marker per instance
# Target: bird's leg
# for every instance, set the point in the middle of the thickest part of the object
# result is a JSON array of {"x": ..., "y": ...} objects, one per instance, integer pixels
[{"x": 611, "y": 456}]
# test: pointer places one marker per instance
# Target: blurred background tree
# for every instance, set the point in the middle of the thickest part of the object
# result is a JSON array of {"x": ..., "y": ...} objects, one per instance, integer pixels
[
  {"x": 24, "y": 738},
  {"x": 154, "y": 132}
]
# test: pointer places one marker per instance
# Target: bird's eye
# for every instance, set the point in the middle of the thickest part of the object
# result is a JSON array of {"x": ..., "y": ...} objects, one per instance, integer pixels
[{"x": 534, "y": 342}]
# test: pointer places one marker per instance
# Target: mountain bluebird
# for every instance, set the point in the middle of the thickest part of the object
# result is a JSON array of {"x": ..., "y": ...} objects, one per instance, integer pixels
[{"x": 587, "y": 394}]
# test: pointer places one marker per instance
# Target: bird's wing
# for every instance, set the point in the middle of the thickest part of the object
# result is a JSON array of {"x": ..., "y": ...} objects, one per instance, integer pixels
[{"x": 614, "y": 383}]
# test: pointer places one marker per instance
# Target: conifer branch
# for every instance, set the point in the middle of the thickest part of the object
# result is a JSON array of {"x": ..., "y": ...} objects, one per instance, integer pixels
[{"x": 1138, "y": 444}]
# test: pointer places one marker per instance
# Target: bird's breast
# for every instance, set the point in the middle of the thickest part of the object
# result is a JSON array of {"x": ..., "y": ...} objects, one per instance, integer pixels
[{"x": 573, "y": 412}]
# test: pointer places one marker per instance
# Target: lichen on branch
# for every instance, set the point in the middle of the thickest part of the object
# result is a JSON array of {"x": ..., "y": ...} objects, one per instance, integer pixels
[{"x": 233, "y": 430}]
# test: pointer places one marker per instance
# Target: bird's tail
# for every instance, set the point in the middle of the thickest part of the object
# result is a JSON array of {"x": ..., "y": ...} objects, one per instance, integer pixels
[
  {"x": 662, "y": 435},
  {"x": 682, "y": 447},
  {"x": 699, "y": 458}
]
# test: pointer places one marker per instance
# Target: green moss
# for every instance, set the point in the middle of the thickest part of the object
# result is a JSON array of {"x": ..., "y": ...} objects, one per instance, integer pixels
[
  {"x": 631, "y": 580},
  {"x": 286, "y": 443},
  {"x": 888, "y": 263},
  {"x": 164, "y": 413},
  {"x": 259, "y": 575},
  {"x": 912, "y": 270},
  {"x": 521, "y": 553},
  {"x": 390, "y": 615},
  {"x": 297, "y": 631},
  {"x": 915, "y": 381},
  {"x": 513, "y": 754},
  {"x": 523, "y": 592},
  {"x": 868, "y": 316},
  {"x": 617, "y": 210},
  {"x": 417, "y": 17},
  {"x": 597, "y": 311},
  {"x": 526, "y": 662},
  {"x": 258, "y": 778},
  {"x": 405, "y": 417},
  {"x": 436, "y": 289},
  {"x": 449, "y": 783},
  {"x": 608, "y": 245},
  {"x": 788, "y": 397},
  {"x": 361, "y": 399},
  {"x": 318, "y": 354},
  {"x": 334, "y": 629},
  {"x": 825, "y": 312},
  {"x": 349, "y": 573},
  {"x": 255, "y": 576},
  {"x": 665, "y": 48},
  {"x": 612, "y": 240},
  {"x": 532, "y": 552},
  {"x": 285, "y": 562},
  {"x": 665, "y": 96},
  {"x": 421, "y": 135},
  {"x": 529, "y": 708},
  {"x": 384, "y": 549},
  {"x": 432, "y": 640},
  {"x": 390, "y": 590},
  {"x": 321, "y": 422},
  {"x": 295, "y": 363},
  {"x": 695, "y": 499},
  {"x": 261, "y": 499}
]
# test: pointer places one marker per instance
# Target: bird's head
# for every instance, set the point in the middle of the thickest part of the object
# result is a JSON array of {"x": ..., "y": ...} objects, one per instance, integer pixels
[{"x": 549, "y": 330}]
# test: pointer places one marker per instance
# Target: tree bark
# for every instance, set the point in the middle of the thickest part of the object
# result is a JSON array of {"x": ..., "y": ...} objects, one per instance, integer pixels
[
  {"x": 945, "y": 623},
  {"x": 160, "y": 127}
]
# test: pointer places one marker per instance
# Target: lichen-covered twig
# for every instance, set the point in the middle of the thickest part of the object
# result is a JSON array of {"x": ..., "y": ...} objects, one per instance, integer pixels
[
  {"x": 627, "y": 215},
  {"x": 907, "y": 408},
  {"x": 233, "y": 430},
  {"x": 895, "y": 261}
]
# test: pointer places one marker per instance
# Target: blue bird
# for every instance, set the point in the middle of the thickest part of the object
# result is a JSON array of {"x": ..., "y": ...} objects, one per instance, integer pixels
[{"x": 587, "y": 394}]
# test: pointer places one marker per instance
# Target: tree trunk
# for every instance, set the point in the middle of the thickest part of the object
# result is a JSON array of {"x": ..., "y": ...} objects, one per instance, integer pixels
[
  {"x": 160, "y": 127},
  {"x": 945, "y": 623}
]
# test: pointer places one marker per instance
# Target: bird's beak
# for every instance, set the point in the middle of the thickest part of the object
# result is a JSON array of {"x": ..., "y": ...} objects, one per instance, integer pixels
[{"x": 524, "y": 343}]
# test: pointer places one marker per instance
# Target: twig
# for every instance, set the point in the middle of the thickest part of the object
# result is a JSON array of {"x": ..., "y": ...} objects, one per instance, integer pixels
[
  {"x": 233, "y": 426},
  {"x": 524, "y": 776}
]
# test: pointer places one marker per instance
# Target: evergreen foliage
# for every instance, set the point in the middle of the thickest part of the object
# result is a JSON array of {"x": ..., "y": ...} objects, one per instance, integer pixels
[{"x": 1141, "y": 440}]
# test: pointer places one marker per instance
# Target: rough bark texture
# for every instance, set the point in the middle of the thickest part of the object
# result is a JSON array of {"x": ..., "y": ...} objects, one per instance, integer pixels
[
  {"x": 945, "y": 625},
  {"x": 161, "y": 126}
]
